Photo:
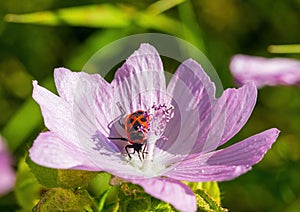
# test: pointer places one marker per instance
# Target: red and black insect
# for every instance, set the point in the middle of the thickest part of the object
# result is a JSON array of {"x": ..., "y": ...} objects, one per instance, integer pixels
[{"x": 136, "y": 127}]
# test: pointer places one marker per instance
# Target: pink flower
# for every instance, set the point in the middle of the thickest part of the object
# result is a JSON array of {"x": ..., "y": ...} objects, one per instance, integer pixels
[
  {"x": 263, "y": 71},
  {"x": 187, "y": 123},
  {"x": 7, "y": 176}
]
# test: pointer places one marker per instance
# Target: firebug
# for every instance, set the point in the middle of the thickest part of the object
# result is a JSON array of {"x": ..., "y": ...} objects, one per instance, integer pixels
[{"x": 136, "y": 126}]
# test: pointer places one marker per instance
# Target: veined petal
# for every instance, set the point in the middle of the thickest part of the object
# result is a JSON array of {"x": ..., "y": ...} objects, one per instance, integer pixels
[
  {"x": 190, "y": 85},
  {"x": 201, "y": 123},
  {"x": 239, "y": 105},
  {"x": 66, "y": 82},
  {"x": 98, "y": 154},
  {"x": 226, "y": 117},
  {"x": 172, "y": 191},
  {"x": 51, "y": 151},
  {"x": 57, "y": 112},
  {"x": 265, "y": 71},
  {"x": 228, "y": 163},
  {"x": 92, "y": 108},
  {"x": 74, "y": 87},
  {"x": 193, "y": 95},
  {"x": 140, "y": 82}
]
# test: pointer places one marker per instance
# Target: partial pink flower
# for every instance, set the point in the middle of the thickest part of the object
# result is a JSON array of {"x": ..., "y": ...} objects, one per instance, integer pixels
[
  {"x": 264, "y": 71},
  {"x": 7, "y": 176},
  {"x": 187, "y": 124}
]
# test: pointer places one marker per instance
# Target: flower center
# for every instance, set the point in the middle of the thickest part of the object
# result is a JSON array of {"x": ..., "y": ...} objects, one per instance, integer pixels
[
  {"x": 159, "y": 115},
  {"x": 143, "y": 128}
]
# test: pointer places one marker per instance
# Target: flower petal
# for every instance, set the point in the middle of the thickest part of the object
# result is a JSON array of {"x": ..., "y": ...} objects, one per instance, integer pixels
[
  {"x": 201, "y": 123},
  {"x": 264, "y": 71},
  {"x": 190, "y": 85},
  {"x": 239, "y": 105},
  {"x": 92, "y": 108},
  {"x": 140, "y": 82},
  {"x": 228, "y": 163},
  {"x": 226, "y": 117},
  {"x": 56, "y": 112},
  {"x": 51, "y": 151},
  {"x": 74, "y": 87},
  {"x": 75, "y": 112},
  {"x": 97, "y": 155},
  {"x": 66, "y": 82},
  {"x": 193, "y": 95},
  {"x": 172, "y": 191}
]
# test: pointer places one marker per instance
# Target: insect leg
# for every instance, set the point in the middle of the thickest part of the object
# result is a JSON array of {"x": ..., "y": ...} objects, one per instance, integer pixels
[
  {"x": 140, "y": 155},
  {"x": 126, "y": 148},
  {"x": 122, "y": 139},
  {"x": 143, "y": 152}
]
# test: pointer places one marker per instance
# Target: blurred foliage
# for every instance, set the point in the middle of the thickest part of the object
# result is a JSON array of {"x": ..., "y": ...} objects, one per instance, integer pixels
[
  {"x": 66, "y": 36},
  {"x": 51, "y": 178},
  {"x": 59, "y": 199},
  {"x": 27, "y": 189}
]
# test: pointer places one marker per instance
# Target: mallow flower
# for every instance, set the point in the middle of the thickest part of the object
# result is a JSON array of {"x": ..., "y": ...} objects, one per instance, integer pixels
[
  {"x": 7, "y": 176},
  {"x": 171, "y": 135},
  {"x": 265, "y": 71}
]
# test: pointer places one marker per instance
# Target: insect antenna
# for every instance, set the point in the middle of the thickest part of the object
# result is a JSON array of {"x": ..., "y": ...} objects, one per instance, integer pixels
[{"x": 118, "y": 117}]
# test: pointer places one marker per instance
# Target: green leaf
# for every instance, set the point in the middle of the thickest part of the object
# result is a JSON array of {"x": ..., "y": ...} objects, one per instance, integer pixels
[
  {"x": 107, "y": 195},
  {"x": 112, "y": 207},
  {"x": 27, "y": 188},
  {"x": 160, "y": 206},
  {"x": 206, "y": 203},
  {"x": 61, "y": 177},
  {"x": 163, "y": 5},
  {"x": 191, "y": 30},
  {"x": 284, "y": 49},
  {"x": 103, "y": 15},
  {"x": 45, "y": 176},
  {"x": 99, "y": 184},
  {"x": 133, "y": 198},
  {"x": 207, "y": 195},
  {"x": 59, "y": 199},
  {"x": 160, "y": 22},
  {"x": 102, "y": 199},
  {"x": 211, "y": 188}
]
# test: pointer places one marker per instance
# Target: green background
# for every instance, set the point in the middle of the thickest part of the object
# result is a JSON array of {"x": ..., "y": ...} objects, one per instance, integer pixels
[{"x": 220, "y": 28}]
